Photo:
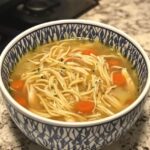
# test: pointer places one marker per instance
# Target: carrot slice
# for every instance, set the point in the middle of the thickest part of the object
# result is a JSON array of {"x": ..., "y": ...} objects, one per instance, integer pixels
[
  {"x": 119, "y": 79},
  {"x": 17, "y": 84},
  {"x": 113, "y": 62},
  {"x": 21, "y": 100},
  {"x": 129, "y": 101},
  {"x": 88, "y": 52},
  {"x": 84, "y": 106}
]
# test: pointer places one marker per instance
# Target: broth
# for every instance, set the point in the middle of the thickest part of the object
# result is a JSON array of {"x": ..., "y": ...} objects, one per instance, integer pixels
[{"x": 74, "y": 80}]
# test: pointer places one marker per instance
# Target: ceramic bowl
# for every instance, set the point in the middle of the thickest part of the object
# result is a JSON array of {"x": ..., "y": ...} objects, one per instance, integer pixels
[{"x": 59, "y": 135}]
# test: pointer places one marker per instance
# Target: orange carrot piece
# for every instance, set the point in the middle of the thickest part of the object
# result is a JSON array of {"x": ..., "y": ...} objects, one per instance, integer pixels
[
  {"x": 119, "y": 79},
  {"x": 17, "y": 84},
  {"x": 23, "y": 102},
  {"x": 129, "y": 101},
  {"x": 113, "y": 62},
  {"x": 88, "y": 52},
  {"x": 84, "y": 106}
]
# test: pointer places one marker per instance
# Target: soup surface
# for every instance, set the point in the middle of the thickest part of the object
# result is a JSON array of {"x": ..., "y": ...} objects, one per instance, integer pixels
[{"x": 74, "y": 80}]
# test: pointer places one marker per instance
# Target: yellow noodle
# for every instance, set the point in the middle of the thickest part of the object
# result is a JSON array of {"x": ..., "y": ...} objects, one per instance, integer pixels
[
  {"x": 59, "y": 83},
  {"x": 75, "y": 82}
]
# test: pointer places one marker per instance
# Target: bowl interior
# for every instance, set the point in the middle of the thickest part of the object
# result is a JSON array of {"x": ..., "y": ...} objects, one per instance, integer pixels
[{"x": 48, "y": 32}]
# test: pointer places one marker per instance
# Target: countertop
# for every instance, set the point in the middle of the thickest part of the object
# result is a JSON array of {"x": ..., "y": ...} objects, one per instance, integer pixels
[{"x": 131, "y": 16}]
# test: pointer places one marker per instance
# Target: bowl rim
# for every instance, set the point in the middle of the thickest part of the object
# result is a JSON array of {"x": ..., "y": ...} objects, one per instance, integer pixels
[{"x": 40, "y": 119}]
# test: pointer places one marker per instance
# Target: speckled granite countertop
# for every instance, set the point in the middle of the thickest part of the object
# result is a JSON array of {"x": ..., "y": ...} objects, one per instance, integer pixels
[{"x": 131, "y": 16}]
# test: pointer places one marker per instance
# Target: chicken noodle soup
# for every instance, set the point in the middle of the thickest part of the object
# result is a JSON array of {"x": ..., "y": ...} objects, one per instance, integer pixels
[{"x": 74, "y": 80}]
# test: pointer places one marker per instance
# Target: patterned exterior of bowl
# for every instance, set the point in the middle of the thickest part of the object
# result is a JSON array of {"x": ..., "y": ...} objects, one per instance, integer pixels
[{"x": 57, "y": 135}]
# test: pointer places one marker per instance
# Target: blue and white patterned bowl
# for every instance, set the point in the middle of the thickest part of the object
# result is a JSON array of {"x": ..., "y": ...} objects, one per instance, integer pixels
[{"x": 58, "y": 135}]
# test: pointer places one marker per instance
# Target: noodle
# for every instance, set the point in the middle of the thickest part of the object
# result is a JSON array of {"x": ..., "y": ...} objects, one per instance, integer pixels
[{"x": 63, "y": 75}]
